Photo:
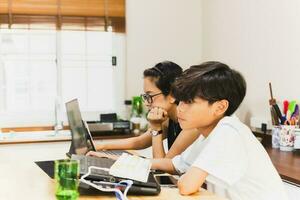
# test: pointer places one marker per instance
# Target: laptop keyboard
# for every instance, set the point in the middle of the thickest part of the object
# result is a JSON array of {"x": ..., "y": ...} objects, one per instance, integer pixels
[
  {"x": 103, "y": 163},
  {"x": 114, "y": 152},
  {"x": 87, "y": 161}
]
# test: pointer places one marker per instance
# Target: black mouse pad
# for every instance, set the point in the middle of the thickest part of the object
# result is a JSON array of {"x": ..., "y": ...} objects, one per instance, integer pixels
[{"x": 47, "y": 167}]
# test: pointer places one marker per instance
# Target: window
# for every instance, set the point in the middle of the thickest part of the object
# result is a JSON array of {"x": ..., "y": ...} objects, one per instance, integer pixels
[{"x": 38, "y": 67}]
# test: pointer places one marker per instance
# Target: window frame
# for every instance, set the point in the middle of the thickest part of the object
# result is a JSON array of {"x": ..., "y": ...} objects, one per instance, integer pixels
[{"x": 19, "y": 119}]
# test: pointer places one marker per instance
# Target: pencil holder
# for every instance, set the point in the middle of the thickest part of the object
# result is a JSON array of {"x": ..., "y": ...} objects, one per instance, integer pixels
[{"x": 287, "y": 138}]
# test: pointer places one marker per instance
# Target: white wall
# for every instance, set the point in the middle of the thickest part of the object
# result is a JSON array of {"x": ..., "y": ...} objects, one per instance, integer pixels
[
  {"x": 262, "y": 40},
  {"x": 160, "y": 30},
  {"x": 259, "y": 38}
]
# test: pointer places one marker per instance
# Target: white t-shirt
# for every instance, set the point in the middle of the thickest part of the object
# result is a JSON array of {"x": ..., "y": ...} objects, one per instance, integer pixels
[{"x": 238, "y": 166}]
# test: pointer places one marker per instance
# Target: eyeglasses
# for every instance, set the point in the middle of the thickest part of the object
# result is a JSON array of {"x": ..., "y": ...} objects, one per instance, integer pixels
[{"x": 149, "y": 98}]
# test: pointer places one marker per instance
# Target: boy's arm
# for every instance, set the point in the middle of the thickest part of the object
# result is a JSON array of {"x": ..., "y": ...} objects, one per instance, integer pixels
[
  {"x": 191, "y": 181},
  {"x": 140, "y": 142},
  {"x": 183, "y": 140}
]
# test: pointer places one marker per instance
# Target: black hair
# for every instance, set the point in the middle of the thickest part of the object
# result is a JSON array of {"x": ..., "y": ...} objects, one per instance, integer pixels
[
  {"x": 165, "y": 74},
  {"x": 211, "y": 81}
]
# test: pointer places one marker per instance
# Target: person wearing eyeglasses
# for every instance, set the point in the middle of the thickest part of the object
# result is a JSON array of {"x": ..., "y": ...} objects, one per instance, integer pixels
[{"x": 162, "y": 117}]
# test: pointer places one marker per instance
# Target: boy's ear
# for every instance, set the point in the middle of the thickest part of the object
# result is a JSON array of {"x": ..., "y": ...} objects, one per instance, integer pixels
[
  {"x": 171, "y": 99},
  {"x": 221, "y": 107}
]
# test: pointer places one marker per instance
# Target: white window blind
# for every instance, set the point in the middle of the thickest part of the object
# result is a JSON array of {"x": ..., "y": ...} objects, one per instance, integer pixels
[{"x": 37, "y": 67}]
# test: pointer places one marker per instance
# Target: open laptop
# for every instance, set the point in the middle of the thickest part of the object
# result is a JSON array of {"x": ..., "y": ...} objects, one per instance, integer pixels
[{"x": 82, "y": 143}]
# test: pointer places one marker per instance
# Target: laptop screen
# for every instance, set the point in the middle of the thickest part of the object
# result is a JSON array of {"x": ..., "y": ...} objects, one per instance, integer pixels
[{"x": 81, "y": 141}]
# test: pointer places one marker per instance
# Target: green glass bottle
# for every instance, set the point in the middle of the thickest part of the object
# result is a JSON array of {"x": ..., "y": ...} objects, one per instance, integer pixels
[
  {"x": 136, "y": 114},
  {"x": 137, "y": 106},
  {"x": 66, "y": 177}
]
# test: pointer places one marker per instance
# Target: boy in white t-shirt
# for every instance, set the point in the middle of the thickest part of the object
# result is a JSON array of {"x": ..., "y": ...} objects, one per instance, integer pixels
[{"x": 226, "y": 156}]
